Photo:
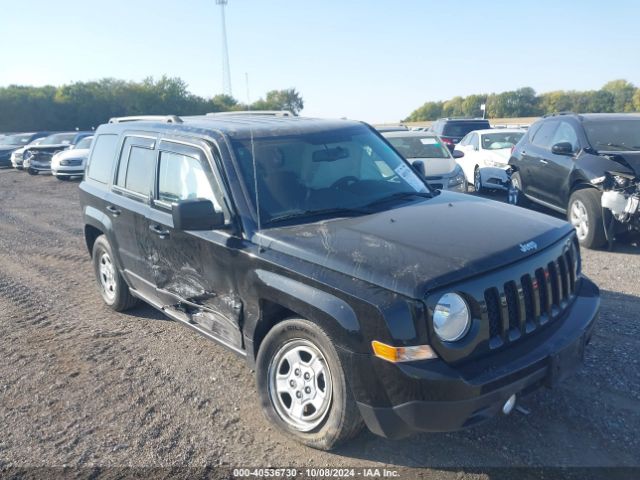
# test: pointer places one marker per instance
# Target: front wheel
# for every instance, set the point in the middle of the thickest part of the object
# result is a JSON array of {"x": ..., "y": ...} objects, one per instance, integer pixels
[
  {"x": 31, "y": 171},
  {"x": 303, "y": 385},
  {"x": 477, "y": 180},
  {"x": 585, "y": 214}
]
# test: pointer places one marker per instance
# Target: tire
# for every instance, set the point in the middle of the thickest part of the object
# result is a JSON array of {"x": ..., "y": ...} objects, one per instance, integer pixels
[
  {"x": 585, "y": 214},
  {"x": 31, "y": 171},
  {"x": 114, "y": 290},
  {"x": 287, "y": 350},
  {"x": 477, "y": 181},
  {"x": 62, "y": 178},
  {"x": 520, "y": 199}
]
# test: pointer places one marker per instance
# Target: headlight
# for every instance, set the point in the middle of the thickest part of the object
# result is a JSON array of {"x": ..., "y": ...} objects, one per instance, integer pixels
[
  {"x": 493, "y": 163},
  {"x": 457, "y": 178},
  {"x": 451, "y": 317}
]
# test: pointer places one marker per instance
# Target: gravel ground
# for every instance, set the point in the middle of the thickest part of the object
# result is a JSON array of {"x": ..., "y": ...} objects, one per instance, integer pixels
[{"x": 81, "y": 385}]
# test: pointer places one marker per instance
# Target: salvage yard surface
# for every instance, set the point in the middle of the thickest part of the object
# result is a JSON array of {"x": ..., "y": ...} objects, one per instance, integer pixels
[{"x": 82, "y": 385}]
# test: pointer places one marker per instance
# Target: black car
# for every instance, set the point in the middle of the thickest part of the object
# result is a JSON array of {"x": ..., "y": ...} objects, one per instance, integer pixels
[
  {"x": 587, "y": 166},
  {"x": 312, "y": 249},
  {"x": 37, "y": 158},
  {"x": 452, "y": 130},
  {"x": 13, "y": 141}
]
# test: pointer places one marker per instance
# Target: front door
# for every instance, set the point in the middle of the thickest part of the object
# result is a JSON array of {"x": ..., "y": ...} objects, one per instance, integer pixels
[
  {"x": 555, "y": 175},
  {"x": 193, "y": 271}
]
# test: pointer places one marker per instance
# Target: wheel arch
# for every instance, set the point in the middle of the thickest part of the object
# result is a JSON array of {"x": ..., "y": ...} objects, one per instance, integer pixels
[{"x": 281, "y": 297}]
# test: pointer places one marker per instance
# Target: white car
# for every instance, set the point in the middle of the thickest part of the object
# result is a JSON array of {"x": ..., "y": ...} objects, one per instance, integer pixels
[
  {"x": 17, "y": 156},
  {"x": 436, "y": 161},
  {"x": 72, "y": 162},
  {"x": 486, "y": 156}
]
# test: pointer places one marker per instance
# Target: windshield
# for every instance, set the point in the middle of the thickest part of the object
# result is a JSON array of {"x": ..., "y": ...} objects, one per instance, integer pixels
[
  {"x": 59, "y": 139},
  {"x": 305, "y": 175},
  {"x": 21, "y": 139},
  {"x": 613, "y": 134},
  {"x": 460, "y": 129},
  {"x": 419, "y": 147},
  {"x": 497, "y": 141},
  {"x": 84, "y": 143}
]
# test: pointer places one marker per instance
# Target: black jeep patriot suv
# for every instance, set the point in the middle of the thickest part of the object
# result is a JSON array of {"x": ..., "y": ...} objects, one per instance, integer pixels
[{"x": 311, "y": 248}]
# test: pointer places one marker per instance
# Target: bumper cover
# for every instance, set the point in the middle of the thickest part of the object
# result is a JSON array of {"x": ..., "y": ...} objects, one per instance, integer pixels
[{"x": 398, "y": 399}]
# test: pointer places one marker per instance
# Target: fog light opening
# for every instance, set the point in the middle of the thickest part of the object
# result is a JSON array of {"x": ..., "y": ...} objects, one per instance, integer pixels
[{"x": 507, "y": 408}]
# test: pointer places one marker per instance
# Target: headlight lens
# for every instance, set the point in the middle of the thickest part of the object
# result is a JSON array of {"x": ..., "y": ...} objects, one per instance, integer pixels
[
  {"x": 457, "y": 178},
  {"x": 451, "y": 317},
  {"x": 493, "y": 163}
]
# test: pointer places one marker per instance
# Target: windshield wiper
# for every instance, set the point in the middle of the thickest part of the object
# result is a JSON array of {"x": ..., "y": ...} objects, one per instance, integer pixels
[
  {"x": 316, "y": 213},
  {"x": 399, "y": 196}
]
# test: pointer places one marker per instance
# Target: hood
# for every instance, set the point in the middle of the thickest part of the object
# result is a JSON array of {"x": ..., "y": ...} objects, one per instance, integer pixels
[
  {"x": 629, "y": 160},
  {"x": 422, "y": 245},
  {"x": 502, "y": 155},
  {"x": 49, "y": 148},
  {"x": 436, "y": 167},
  {"x": 8, "y": 148},
  {"x": 73, "y": 153}
]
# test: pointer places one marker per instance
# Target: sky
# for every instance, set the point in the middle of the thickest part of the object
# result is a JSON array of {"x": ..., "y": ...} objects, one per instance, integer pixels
[{"x": 374, "y": 60}]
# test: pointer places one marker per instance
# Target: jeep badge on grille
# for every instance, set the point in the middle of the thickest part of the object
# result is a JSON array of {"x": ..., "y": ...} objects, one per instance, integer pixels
[{"x": 527, "y": 247}]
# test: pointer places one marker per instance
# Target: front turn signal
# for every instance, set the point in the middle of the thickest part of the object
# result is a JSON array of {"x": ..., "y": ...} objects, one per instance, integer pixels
[{"x": 402, "y": 354}]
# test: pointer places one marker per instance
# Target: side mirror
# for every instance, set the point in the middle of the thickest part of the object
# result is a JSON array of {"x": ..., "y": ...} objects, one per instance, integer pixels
[
  {"x": 458, "y": 154},
  {"x": 196, "y": 214},
  {"x": 562, "y": 148},
  {"x": 418, "y": 166}
]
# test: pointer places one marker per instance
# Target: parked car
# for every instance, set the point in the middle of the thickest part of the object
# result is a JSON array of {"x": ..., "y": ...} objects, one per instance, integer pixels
[
  {"x": 391, "y": 128},
  {"x": 587, "y": 166},
  {"x": 37, "y": 159},
  {"x": 356, "y": 293},
  {"x": 486, "y": 157},
  {"x": 17, "y": 156},
  {"x": 11, "y": 142},
  {"x": 452, "y": 130},
  {"x": 71, "y": 162},
  {"x": 431, "y": 157}
]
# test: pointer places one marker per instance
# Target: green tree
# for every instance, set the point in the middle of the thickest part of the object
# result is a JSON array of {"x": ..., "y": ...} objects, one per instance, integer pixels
[
  {"x": 622, "y": 92},
  {"x": 636, "y": 100},
  {"x": 288, "y": 99}
]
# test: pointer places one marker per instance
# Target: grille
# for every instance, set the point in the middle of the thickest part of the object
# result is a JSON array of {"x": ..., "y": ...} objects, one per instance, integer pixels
[{"x": 520, "y": 306}]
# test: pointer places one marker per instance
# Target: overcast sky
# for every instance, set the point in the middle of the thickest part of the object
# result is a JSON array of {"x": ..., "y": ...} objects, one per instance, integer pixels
[{"x": 372, "y": 60}]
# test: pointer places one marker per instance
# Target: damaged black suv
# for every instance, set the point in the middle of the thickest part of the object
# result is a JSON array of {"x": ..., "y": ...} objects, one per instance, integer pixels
[
  {"x": 314, "y": 250},
  {"x": 587, "y": 166}
]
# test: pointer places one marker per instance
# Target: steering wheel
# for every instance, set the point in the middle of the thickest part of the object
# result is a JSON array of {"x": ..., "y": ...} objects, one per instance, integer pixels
[{"x": 344, "y": 182}]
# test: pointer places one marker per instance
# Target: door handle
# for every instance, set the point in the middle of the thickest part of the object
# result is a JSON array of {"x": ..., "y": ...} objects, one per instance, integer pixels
[
  {"x": 544, "y": 162},
  {"x": 113, "y": 210},
  {"x": 158, "y": 230}
]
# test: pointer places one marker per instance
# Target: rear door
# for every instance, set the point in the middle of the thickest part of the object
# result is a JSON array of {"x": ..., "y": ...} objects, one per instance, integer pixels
[
  {"x": 194, "y": 271},
  {"x": 128, "y": 206}
]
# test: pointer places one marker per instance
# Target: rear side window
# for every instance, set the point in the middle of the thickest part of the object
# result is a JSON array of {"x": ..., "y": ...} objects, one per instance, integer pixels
[
  {"x": 102, "y": 157},
  {"x": 544, "y": 135},
  {"x": 137, "y": 165}
]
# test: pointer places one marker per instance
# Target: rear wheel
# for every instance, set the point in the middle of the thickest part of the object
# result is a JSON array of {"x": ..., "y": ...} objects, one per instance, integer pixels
[
  {"x": 114, "y": 290},
  {"x": 303, "y": 385},
  {"x": 516, "y": 197},
  {"x": 585, "y": 214}
]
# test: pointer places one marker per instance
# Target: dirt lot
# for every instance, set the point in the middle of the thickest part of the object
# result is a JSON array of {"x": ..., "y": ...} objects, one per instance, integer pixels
[{"x": 81, "y": 385}]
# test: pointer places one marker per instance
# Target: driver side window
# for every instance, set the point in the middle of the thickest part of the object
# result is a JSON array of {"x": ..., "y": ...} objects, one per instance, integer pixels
[
  {"x": 566, "y": 133},
  {"x": 183, "y": 177}
]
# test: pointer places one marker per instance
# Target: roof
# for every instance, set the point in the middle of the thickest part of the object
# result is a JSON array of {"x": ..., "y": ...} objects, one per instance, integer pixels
[
  {"x": 241, "y": 126},
  {"x": 499, "y": 130},
  {"x": 478, "y": 120},
  {"x": 409, "y": 133},
  {"x": 595, "y": 116}
]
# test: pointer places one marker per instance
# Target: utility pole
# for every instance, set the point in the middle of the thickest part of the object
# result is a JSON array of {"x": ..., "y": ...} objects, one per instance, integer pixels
[{"x": 226, "y": 71}]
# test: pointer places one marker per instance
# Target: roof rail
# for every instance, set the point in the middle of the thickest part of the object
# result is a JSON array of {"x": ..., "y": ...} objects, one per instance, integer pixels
[
  {"x": 147, "y": 118},
  {"x": 273, "y": 113},
  {"x": 555, "y": 114}
]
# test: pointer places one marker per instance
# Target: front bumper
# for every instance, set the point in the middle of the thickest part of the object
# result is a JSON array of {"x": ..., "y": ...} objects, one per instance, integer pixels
[
  {"x": 495, "y": 177},
  {"x": 398, "y": 399},
  {"x": 40, "y": 167},
  {"x": 67, "y": 171}
]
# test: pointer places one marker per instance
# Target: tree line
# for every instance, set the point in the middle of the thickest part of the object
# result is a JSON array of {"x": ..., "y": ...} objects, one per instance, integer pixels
[
  {"x": 85, "y": 105},
  {"x": 615, "y": 96}
]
